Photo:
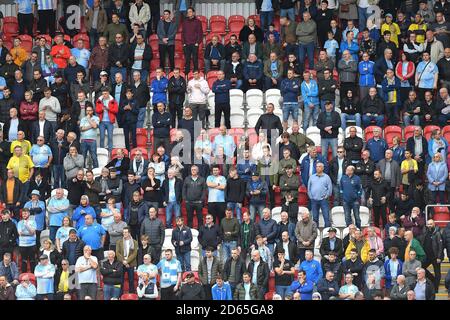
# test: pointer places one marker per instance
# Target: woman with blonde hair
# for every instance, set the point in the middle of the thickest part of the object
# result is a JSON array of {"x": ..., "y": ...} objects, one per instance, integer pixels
[
  {"x": 48, "y": 248},
  {"x": 437, "y": 174},
  {"x": 63, "y": 233}
]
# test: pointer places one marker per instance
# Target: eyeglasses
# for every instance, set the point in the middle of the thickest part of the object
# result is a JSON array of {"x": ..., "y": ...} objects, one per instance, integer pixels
[
  {"x": 64, "y": 264},
  {"x": 340, "y": 152}
]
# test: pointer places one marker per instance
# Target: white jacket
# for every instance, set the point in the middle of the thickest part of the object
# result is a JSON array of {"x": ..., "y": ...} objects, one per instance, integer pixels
[
  {"x": 195, "y": 95},
  {"x": 143, "y": 16}
]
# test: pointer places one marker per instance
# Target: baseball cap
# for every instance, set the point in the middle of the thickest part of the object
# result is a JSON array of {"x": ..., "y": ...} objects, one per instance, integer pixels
[{"x": 103, "y": 73}]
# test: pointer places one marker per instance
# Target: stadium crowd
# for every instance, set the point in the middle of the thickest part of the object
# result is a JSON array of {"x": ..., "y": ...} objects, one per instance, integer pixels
[{"x": 259, "y": 211}]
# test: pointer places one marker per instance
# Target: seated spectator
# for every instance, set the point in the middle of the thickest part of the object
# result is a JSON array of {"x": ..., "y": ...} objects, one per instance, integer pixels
[
  {"x": 391, "y": 96},
  {"x": 25, "y": 290},
  {"x": 9, "y": 270},
  {"x": 273, "y": 71},
  {"x": 214, "y": 55},
  {"x": 303, "y": 286},
  {"x": 234, "y": 70},
  {"x": 372, "y": 109},
  {"x": 328, "y": 286},
  {"x": 231, "y": 47},
  {"x": 252, "y": 73}
]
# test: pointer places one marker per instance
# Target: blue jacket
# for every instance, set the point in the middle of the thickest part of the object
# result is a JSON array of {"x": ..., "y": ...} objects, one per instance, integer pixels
[
  {"x": 253, "y": 70},
  {"x": 305, "y": 290},
  {"x": 437, "y": 171},
  {"x": 320, "y": 187},
  {"x": 431, "y": 150},
  {"x": 290, "y": 89},
  {"x": 159, "y": 89},
  {"x": 313, "y": 270},
  {"x": 387, "y": 272},
  {"x": 353, "y": 48},
  {"x": 304, "y": 167},
  {"x": 28, "y": 293},
  {"x": 39, "y": 215},
  {"x": 184, "y": 235},
  {"x": 377, "y": 149},
  {"x": 221, "y": 88},
  {"x": 267, "y": 229},
  {"x": 14, "y": 271},
  {"x": 222, "y": 293},
  {"x": 161, "y": 124},
  {"x": 388, "y": 88},
  {"x": 366, "y": 77},
  {"x": 351, "y": 188},
  {"x": 245, "y": 170},
  {"x": 311, "y": 94},
  {"x": 399, "y": 154},
  {"x": 258, "y": 185},
  {"x": 80, "y": 218}
]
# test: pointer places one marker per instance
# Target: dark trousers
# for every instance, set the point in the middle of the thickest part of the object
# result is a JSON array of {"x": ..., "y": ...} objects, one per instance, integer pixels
[
  {"x": 25, "y": 23},
  {"x": 196, "y": 207},
  {"x": 168, "y": 293},
  {"x": 157, "y": 251},
  {"x": 157, "y": 141},
  {"x": 261, "y": 292},
  {"x": 176, "y": 111},
  {"x": 217, "y": 210},
  {"x": 135, "y": 232},
  {"x": 88, "y": 289},
  {"x": 390, "y": 198},
  {"x": 208, "y": 293},
  {"x": 164, "y": 51},
  {"x": 219, "y": 108},
  {"x": 27, "y": 129},
  {"x": 47, "y": 21},
  {"x": 130, "y": 272},
  {"x": 436, "y": 278},
  {"x": 28, "y": 254},
  {"x": 190, "y": 50},
  {"x": 379, "y": 211},
  {"x": 393, "y": 113},
  {"x": 130, "y": 128}
]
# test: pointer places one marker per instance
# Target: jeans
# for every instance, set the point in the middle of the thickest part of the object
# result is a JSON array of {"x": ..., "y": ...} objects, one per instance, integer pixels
[
  {"x": 324, "y": 207},
  {"x": 172, "y": 206},
  {"x": 288, "y": 13},
  {"x": 290, "y": 108},
  {"x": 348, "y": 207},
  {"x": 310, "y": 113},
  {"x": 379, "y": 120},
  {"x": 337, "y": 198},
  {"x": 88, "y": 289},
  {"x": 266, "y": 19},
  {"x": 90, "y": 146},
  {"x": 256, "y": 208},
  {"x": 110, "y": 291},
  {"x": 236, "y": 206},
  {"x": 407, "y": 120},
  {"x": 110, "y": 127},
  {"x": 59, "y": 177},
  {"x": 363, "y": 15},
  {"x": 141, "y": 117},
  {"x": 114, "y": 70},
  {"x": 308, "y": 50},
  {"x": 93, "y": 39},
  {"x": 345, "y": 117},
  {"x": 185, "y": 260},
  {"x": 227, "y": 246},
  {"x": 329, "y": 142},
  {"x": 130, "y": 272},
  {"x": 283, "y": 291}
]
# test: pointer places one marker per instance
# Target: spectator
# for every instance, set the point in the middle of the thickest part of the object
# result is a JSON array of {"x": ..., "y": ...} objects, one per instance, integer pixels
[
  {"x": 284, "y": 273},
  {"x": 246, "y": 290},
  {"x": 423, "y": 288},
  {"x": 107, "y": 108},
  {"x": 93, "y": 235},
  {"x": 331, "y": 245},
  {"x": 126, "y": 252},
  {"x": 209, "y": 269},
  {"x": 44, "y": 274},
  {"x": 170, "y": 270},
  {"x": 433, "y": 247},
  {"x": 260, "y": 274},
  {"x": 214, "y": 55},
  {"x": 147, "y": 289},
  {"x": 319, "y": 190},
  {"x": 399, "y": 290},
  {"x": 289, "y": 90},
  {"x": 181, "y": 240},
  {"x": 229, "y": 229},
  {"x": 6, "y": 290},
  {"x": 306, "y": 33},
  {"x": 306, "y": 233},
  {"x": 96, "y": 22},
  {"x": 252, "y": 44},
  {"x": 153, "y": 227},
  {"x": 177, "y": 91},
  {"x": 99, "y": 61},
  {"x": 72, "y": 249},
  {"x": 192, "y": 35},
  {"x": 272, "y": 44},
  {"x": 348, "y": 69},
  {"x": 116, "y": 27},
  {"x": 273, "y": 71},
  {"x": 166, "y": 31},
  {"x": 221, "y": 88},
  {"x": 221, "y": 290},
  {"x": 25, "y": 290},
  {"x": 252, "y": 73},
  {"x": 216, "y": 193},
  {"x": 410, "y": 267},
  {"x": 42, "y": 127},
  {"x": 302, "y": 286},
  {"x": 427, "y": 75},
  {"x": 85, "y": 268},
  {"x": 198, "y": 90},
  {"x": 11, "y": 194},
  {"x": 311, "y": 267},
  {"x": 111, "y": 270}
]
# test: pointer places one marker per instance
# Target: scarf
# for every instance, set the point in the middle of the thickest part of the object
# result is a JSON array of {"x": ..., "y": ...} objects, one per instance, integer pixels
[{"x": 138, "y": 170}]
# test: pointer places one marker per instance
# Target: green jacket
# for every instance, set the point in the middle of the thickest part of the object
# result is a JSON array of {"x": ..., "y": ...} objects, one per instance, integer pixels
[
  {"x": 270, "y": 170},
  {"x": 272, "y": 47},
  {"x": 306, "y": 32},
  {"x": 302, "y": 141},
  {"x": 268, "y": 71},
  {"x": 112, "y": 29},
  {"x": 258, "y": 50},
  {"x": 282, "y": 167},
  {"x": 239, "y": 292},
  {"x": 417, "y": 247}
]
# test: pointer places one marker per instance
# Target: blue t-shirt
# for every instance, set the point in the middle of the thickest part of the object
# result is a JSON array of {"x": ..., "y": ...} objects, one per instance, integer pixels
[
  {"x": 44, "y": 284},
  {"x": 169, "y": 272},
  {"x": 40, "y": 155},
  {"x": 63, "y": 234},
  {"x": 25, "y": 6},
  {"x": 26, "y": 239},
  {"x": 2, "y": 81},
  {"x": 92, "y": 235},
  {"x": 216, "y": 195},
  {"x": 426, "y": 73}
]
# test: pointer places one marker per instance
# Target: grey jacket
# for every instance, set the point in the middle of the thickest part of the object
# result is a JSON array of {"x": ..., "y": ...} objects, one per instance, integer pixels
[
  {"x": 347, "y": 70},
  {"x": 115, "y": 231},
  {"x": 409, "y": 270},
  {"x": 306, "y": 232},
  {"x": 71, "y": 165},
  {"x": 306, "y": 32},
  {"x": 396, "y": 177},
  {"x": 154, "y": 229},
  {"x": 216, "y": 269},
  {"x": 399, "y": 294},
  {"x": 194, "y": 190},
  {"x": 14, "y": 270},
  {"x": 170, "y": 34}
]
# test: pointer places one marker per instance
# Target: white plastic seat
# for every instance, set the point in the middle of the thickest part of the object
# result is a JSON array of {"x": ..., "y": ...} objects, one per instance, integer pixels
[
  {"x": 276, "y": 214},
  {"x": 102, "y": 157},
  {"x": 345, "y": 232},
  {"x": 97, "y": 172},
  {"x": 318, "y": 240},
  {"x": 236, "y": 99},
  {"x": 273, "y": 96},
  {"x": 66, "y": 193},
  {"x": 211, "y": 103},
  {"x": 278, "y": 112},
  {"x": 325, "y": 233},
  {"x": 359, "y": 132},
  {"x": 338, "y": 217},
  {"x": 300, "y": 212},
  {"x": 195, "y": 260},
  {"x": 195, "y": 245},
  {"x": 341, "y": 137},
  {"x": 254, "y": 98},
  {"x": 314, "y": 134},
  {"x": 253, "y": 116},
  {"x": 237, "y": 118},
  {"x": 364, "y": 214},
  {"x": 118, "y": 138}
]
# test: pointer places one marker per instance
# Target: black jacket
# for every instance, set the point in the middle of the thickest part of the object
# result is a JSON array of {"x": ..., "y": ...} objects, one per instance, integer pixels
[
  {"x": 262, "y": 274},
  {"x": 112, "y": 273},
  {"x": 6, "y": 126},
  {"x": 59, "y": 151},
  {"x": 338, "y": 248},
  {"x": 124, "y": 165},
  {"x": 17, "y": 193},
  {"x": 372, "y": 106},
  {"x": 429, "y": 290},
  {"x": 230, "y": 73},
  {"x": 209, "y": 236},
  {"x": 334, "y": 122},
  {"x": 5, "y": 106},
  {"x": 235, "y": 190},
  {"x": 8, "y": 234},
  {"x": 229, "y": 50},
  {"x": 219, "y": 48},
  {"x": 177, "y": 90},
  {"x": 348, "y": 266},
  {"x": 148, "y": 56},
  {"x": 434, "y": 249},
  {"x": 251, "y": 235},
  {"x": 293, "y": 251},
  {"x": 118, "y": 54},
  {"x": 60, "y": 92},
  {"x": 3, "y": 56},
  {"x": 37, "y": 86},
  {"x": 446, "y": 237},
  {"x": 323, "y": 287},
  {"x": 365, "y": 171},
  {"x": 377, "y": 190},
  {"x": 178, "y": 190},
  {"x": 269, "y": 121},
  {"x": 238, "y": 272},
  {"x": 411, "y": 146},
  {"x": 48, "y": 132},
  {"x": 350, "y": 106},
  {"x": 141, "y": 94},
  {"x": 193, "y": 291},
  {"x": 184, "y": 235},
  {"x": 334, "y": 168},
  {"x": 327, "y": 89},
  {"x": 76, "y": 190},
  {"x": 353, "y": 147},
  {"x": 128, "y": 117},
  {"x": 127, "y": 192}
]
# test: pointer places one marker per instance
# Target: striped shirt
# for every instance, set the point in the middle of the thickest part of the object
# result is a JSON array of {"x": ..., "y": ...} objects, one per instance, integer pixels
[
  {"x": 45, "y": 5},
  {"x": 26, "y": 239},
  {"x": 169, "y": 272}
]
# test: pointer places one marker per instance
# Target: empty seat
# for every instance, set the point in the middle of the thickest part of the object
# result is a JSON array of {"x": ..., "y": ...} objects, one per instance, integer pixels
[
  {"x": 408, "y": 132},
  {"x": 27, "y": 42},
  {"x": 204, "y": 22},
  {"x": 254, "y": 98},
  {"x": 235, "y": 24},
  {"x": 314, "y": 134},
  {"x": 253, "y": 116},
  {"x": 102, "y": 157},
  {"x": 217, "y": 24},
  {"x": 364, "y": 214},
  {"x": 10, "y": 26},
  {"x": 118, "y": 138},
  {"x": 129, "y": 296},
  {"x": 237, "y": 118},
  {"x": 338, "y": 217},
  {"x": 211, "y": 77},
  {"x": 273, "y": 96},
  {"x": 141, "y": 137},
  {"x": 236, "y": 99}
]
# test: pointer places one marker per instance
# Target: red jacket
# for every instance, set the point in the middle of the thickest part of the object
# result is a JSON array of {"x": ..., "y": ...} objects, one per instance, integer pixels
[
  {"x": 60, "y": 58},
  {"x": 410, "y": 70},
  {"x": 29, "y": 111},
  {"x": 113, "y": 109}
]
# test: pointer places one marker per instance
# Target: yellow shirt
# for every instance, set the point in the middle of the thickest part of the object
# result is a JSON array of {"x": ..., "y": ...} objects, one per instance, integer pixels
[
  {"x": 25, "y": 144},
  {"x": 408, "y": 165},
  {"x": 420, "y": 31},
  {"x": 19, "y": 55},
  {"x": 394, "y": 29},
  {"x": 21, "y": 166},
  {"x": 10, "y": 191},
  {"x": 63, "y": 285}
]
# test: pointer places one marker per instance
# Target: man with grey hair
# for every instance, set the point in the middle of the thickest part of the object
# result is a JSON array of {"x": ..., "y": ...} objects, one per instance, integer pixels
[
  {"x": 86, "y": 269},
  {"x": 320, "y": 189},
  {"x": 306, "y": 233},
  {"x": 259, "y": 271},
  {"x": 351, "y": 189},
  {"x": 400, "y": 289},
  {"x": 172, "y": 192},
  {"x": 111, "y": 270},
  {"x": 423, "y": 287},
  {"x": 306, "y": 36},
  {"x": 115, "y": 230},
  {"x": 348, "y": 70},
  {"x": 268, "y": 229}
]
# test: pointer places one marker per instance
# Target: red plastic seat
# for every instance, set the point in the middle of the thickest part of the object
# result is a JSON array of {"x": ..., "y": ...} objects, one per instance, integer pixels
[
  {"x": 235, "y": 24},
  {"x": 82, "y": 36},
  {"x": 368, "y": 132},
  {"x": 212, "y": 133},
  {"x": 141, "y": 137},
  {"x": 143, "y": 150},
  {"x": 276, "y": 23},
  {"x": 10, "y": 26},
  {"x": 114, "y": 152},
  {"x": 179, "y": 60},
  {"x": 252, "y": 136},
  {"x": 129, "y": 296},
  {"x": 178, "y": 43},
  {"x": 204, "y": 21},
  {"x": 153, "y": 43},
  {"x": 428, "y": 130},
  {"x": 408, "y": 132},
  {"x": 390, "y": 132},
  {"x": 236, "y": 133},
  {"x": 211, "y": 77},
  {"x": 366, "y": 231},
  {"x": 181, "y": 74},
  {"x": 256, "y": 18},
  {"x": 302, "y": 196},
  {"x": 209, "y": 37},
  {"x": 217, "y": 24},
  {"x": 27, "y": 42}
]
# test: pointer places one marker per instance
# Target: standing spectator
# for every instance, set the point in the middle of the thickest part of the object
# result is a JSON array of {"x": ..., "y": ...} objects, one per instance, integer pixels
[
  {"x": 60, "y": 52},
  {"x": 437, "y": 174},
  {"x": 284, "y": 273},
  {"x": 161, "y": 121},
  {"x": 267, "y": 228},
  {"x": 170, "y": 271},
  {"x": 126, "y": 252},
  {"x": 8, "y": 233},
  {"x": 95, "y": 22},
  {"x": 42, "y": 157},
  {"x": 118, "y": 54},
  {"x": 166, "y": 31},
  {"x": 311, "y": 267},
  {"x": 390, "y": 171},
  {"x": 331, "y": 246},
  {"x": 348, "y": 69},
  {"x": 209, "y": 234},
  {"x": 260, "y": 274},
  {"x": 41, "y": 127},
  {"x": 115, "y": 28},
  {"x": 251, "y": 44},
  {"x": 181, "y": 240},
  {"x": 214, "y": 55},
  {"x": 209, "y": 268},
  {"x": 377, "y": 195},
  {"x": 107, "y": 108},
  {"x": 51, "y": 106},
  {"x": 399, "y": 289},
  {"x": 235, "y": 192},
  {"x": 434, "y": 251},
  {"x": 25, "y": 290},
  {"x": 351, "y": 190},
  {"x": 154, "y": 229},
  {"x": 192, "y": 35},
  {"x": 423, "y": 288},
  {"x": 233, "y": 269},
  {"x": 198, "y": 90},
  {"x": 216, "y": 193},
  {"x": 310, "y": 94},
  {"x": 366, "y": 79},
  {"x": 257, "y": 190},
  {"x": 139, "y": 14},
  {"x": 194, "y": 192},
  {"x": 329, "y": 123},
  {"x": 221, "y": 290},
  {"x": 72, "y": 163},
  {"x": 221, "y": 87},
  {"x": 427, "y": 75},
  {"x": 72, "y": 248},
  {"x": 141, "y": 95},
  {"x": 86, "y": 269},
  {"x": 306, "y": 234},
  {"x": 177, "y": 92},
  {"x": 247, "y": 290},
  {"x": 88, "y": 127},
  {"x": 289, "y": 88},
  {"x": 99, "y": 62},
  {"x": 129, "y": 111},
  {"x": 26, "y": 229},
  {"x": 44, "y": 274},
  {"x": 353, "y": 146},
  {"x": 25, "y": 13},
  {"x": 111, "y": 270},
  {"x": 57, "y": 209},
  {"x": 320, "y": 189},
  {"x": 11, "y": 194},
  {"x": 269, "y": 122},
  {"x": 306, "y": 36},
  {"x": 229, "y": 229},
  {"x": 391, "y": 96},
  {"x": 172, "y": 192}
]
